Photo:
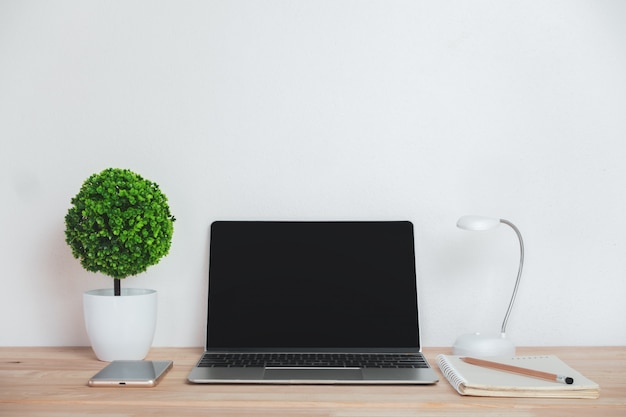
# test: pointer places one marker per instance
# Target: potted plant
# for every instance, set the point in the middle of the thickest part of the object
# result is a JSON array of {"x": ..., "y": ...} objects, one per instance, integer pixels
[{"x": 119, "y": 225}]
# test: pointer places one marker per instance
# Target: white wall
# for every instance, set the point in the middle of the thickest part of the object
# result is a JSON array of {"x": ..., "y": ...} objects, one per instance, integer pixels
[{"x": 419, "y": 110}]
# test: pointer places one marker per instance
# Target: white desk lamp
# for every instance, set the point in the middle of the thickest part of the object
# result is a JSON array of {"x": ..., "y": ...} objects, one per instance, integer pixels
[{"x": 476, "y": 344}]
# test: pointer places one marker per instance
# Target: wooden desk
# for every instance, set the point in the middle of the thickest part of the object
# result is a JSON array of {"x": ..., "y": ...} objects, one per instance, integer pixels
[{"x": 53, "y": 382}]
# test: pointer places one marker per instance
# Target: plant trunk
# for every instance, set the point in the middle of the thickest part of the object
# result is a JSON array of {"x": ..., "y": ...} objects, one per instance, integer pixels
[{"x": 117, "y": 288}]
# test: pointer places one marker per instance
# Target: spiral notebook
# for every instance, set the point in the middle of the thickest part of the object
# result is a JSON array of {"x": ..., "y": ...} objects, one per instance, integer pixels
[{"x": 474, "y": 380}]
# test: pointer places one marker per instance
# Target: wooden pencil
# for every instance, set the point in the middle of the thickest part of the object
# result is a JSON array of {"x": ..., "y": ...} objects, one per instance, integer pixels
[{"x": 518, "y": 370}]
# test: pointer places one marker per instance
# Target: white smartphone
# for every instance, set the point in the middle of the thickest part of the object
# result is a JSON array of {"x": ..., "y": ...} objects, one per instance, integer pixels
[{"x": 131, "y": 374}]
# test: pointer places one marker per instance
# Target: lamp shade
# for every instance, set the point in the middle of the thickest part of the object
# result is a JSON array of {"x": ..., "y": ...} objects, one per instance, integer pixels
[{"x": 477, "y": 223}]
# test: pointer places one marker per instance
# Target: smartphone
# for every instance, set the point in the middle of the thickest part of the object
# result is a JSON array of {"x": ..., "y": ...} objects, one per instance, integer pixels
[{"x": 131, "y": 374}]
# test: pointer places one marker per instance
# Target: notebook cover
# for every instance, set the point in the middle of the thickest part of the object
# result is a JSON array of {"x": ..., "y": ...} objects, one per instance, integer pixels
[{"x": 474, "y": 380}]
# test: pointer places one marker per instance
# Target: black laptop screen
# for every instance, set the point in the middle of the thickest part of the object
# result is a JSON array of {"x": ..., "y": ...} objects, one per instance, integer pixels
[{"x": 294, "y": 285}]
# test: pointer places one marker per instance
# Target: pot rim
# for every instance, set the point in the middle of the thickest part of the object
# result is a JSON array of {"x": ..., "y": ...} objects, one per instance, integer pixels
[{"x": 126, "y": 292}]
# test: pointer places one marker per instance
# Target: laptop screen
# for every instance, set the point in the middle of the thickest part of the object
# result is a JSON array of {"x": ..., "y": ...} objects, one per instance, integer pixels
[{"x": 323, "y": 285}]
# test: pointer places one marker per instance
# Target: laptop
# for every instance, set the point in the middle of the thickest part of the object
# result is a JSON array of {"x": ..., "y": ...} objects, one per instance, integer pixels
[{"x": 312, "y": 302}]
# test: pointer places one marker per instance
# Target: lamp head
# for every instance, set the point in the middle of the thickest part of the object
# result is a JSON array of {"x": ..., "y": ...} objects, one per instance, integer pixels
[{"x": 477, "y": 223}]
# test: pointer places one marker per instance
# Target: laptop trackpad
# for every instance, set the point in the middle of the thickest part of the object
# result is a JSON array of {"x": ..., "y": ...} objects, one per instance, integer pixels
[{"x": 313, "y": 374}]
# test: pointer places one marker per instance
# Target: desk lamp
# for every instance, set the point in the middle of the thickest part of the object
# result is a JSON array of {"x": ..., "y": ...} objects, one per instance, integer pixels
[{"x": 476, "y": 344}]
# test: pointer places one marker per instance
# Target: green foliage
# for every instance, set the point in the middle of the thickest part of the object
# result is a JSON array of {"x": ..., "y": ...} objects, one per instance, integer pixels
[{"x": 119, "y": 224}]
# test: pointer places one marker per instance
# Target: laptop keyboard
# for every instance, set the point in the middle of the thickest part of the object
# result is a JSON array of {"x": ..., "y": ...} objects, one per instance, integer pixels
[{"x": 334, "y": 360}]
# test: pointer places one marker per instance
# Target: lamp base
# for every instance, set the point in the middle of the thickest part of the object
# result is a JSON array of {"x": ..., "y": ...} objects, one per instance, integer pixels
[{"x": 476, "y": 344}]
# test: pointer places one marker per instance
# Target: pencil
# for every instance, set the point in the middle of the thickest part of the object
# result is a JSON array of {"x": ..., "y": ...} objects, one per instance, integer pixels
[{"x": 517, "y": 370}]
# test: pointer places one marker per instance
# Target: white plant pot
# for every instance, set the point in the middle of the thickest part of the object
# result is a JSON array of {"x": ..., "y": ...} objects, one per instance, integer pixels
[{"x": 120, "y": 328}]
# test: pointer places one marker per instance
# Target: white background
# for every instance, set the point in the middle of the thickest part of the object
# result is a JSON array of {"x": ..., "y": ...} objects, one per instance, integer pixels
[{"x": 338, "y": 109}]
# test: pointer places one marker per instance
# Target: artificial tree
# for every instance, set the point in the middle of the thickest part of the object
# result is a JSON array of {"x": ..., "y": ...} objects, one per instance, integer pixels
[{"x": 119, "y": 224}]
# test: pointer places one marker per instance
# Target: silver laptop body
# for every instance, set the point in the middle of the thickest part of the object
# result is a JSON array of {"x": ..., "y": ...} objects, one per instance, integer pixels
[{"x": 312, "y": 303}]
